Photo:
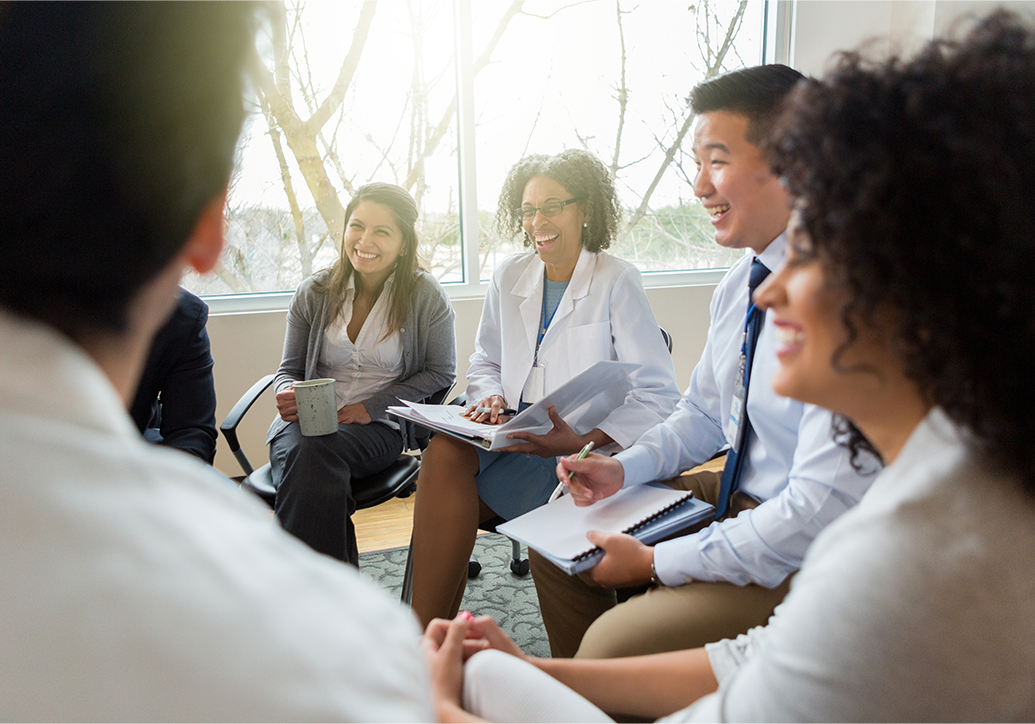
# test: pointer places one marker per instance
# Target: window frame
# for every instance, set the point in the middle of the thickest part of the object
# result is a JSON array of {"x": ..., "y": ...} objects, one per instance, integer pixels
[{"x": 776, "y": 44}]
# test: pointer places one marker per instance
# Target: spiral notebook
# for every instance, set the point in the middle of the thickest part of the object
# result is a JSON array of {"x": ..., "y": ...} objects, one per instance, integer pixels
[{"x": 649, "y": 512}]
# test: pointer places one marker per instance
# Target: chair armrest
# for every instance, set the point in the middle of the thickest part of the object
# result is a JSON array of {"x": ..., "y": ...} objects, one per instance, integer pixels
[
  {"x": 233, "y": 419},
  {"x": 667, "y": 337},
  {"x": 437, "y": 398}
]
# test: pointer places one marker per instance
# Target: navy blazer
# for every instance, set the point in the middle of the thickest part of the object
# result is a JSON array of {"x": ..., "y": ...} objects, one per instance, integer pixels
[{"x": 175, "y": 404}]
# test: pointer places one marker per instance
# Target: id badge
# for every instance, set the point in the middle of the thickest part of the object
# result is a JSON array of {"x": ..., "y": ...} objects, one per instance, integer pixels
[
  {"x": 535, "y": 385},
  {"x": 734, "y": 425}
]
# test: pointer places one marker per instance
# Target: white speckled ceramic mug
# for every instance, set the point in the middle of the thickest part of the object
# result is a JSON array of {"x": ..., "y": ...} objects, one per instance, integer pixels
[{"x": 317, "y": 411}]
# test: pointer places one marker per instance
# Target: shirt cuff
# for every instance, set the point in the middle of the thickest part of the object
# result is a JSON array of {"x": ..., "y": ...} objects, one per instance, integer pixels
[
  {"x": 637, "y": 465},
  {"x": 725, "y": 657},
  {"x": 670, "y": 560}
]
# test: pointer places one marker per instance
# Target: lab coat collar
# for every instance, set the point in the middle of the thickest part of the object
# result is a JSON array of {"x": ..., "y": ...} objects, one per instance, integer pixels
[
  {"x": 531, "y": 280},
  {"x": 578, "y": 287},
  {"x": 530, "y": 286}
]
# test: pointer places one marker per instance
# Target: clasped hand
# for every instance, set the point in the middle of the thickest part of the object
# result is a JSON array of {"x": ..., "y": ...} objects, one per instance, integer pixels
[{"x": 447, "y": 645}]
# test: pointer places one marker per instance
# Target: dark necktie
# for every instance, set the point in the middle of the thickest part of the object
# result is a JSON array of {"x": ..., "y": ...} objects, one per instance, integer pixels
[{"x": 735, "y": 456}]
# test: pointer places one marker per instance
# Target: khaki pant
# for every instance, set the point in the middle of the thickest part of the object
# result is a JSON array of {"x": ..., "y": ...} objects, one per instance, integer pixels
[{"x": 585, "y": 620}]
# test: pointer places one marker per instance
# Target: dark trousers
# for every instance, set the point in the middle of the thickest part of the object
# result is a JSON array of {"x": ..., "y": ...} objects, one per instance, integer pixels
[{"x": 314, "y": 478}]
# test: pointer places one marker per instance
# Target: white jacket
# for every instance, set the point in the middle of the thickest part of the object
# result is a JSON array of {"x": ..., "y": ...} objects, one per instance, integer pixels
[
  {"x": 603, "y": 315},
  {"x": 139, "y": 585}
]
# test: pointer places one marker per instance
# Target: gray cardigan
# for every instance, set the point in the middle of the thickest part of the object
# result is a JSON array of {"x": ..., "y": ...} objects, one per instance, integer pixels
[{"x": 428, "y": 342}]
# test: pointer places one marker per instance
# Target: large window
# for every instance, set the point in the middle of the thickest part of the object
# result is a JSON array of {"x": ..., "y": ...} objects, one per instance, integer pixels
[{"x": 356, "y": 92}]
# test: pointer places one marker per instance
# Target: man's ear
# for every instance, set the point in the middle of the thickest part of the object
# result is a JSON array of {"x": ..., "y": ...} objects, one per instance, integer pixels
[{"x": 205, "y": 244}]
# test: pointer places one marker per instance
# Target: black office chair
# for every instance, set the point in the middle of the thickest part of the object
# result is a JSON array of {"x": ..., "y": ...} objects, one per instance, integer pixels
[{"x": 397, "y": 480}]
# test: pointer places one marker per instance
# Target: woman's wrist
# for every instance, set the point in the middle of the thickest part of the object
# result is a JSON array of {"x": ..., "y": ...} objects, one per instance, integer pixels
[
  {"x": 598, "y": 437},
  {"x": 451, "y": 711}
]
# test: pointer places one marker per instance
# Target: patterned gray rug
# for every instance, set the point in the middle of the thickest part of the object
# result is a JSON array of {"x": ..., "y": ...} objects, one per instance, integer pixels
[{"x": 496, "y": 592}]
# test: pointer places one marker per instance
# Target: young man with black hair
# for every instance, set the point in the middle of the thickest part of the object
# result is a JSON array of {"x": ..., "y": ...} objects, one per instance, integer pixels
[
  {"x": 785, "y": 478},
  {"x": 136, "y": 584}
]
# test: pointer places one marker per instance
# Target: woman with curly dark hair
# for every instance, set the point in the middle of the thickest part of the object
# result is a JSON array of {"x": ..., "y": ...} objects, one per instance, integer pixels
[
  {"x": 549, "y": 314},
  {"x": 906, "y": 305}
]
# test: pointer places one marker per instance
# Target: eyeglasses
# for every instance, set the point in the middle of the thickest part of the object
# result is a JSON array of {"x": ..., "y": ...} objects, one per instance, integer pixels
[{"x": 550, "y": 208}]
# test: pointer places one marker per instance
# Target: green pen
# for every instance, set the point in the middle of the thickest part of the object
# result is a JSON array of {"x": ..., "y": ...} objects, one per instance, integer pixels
[{"x": 562, "y": 486}]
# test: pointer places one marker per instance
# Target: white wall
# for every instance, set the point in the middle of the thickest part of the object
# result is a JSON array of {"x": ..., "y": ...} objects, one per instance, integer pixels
[
  {"x": 247, "y": 346},
  {"x": 819, "y": 28}
]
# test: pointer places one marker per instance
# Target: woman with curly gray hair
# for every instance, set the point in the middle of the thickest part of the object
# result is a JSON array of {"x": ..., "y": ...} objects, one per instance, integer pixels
[{"x": 550, "y": 313}]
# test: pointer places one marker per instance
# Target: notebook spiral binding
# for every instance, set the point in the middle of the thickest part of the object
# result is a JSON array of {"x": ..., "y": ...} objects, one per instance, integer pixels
[{"x": 640, "y": 524}]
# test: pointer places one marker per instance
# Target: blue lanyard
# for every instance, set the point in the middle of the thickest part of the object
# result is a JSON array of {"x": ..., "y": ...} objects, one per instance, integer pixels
[{"x": 543, "y": 327}]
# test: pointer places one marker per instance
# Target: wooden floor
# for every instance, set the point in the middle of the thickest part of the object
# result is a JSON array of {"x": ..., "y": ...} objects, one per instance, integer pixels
[{"x": 385, "y": 526}]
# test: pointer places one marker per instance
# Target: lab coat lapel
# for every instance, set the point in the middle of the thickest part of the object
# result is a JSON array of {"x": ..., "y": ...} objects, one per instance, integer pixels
[
  {"x": 578, "y": 287},
  {"x": 529, "y": 286}
]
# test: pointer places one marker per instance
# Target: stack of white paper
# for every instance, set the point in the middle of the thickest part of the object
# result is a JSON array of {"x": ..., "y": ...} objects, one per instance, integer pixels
[{"x": 605, "y": 384}]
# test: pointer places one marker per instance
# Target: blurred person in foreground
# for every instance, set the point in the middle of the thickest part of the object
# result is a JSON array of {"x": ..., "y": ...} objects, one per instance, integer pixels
[
  {"x": 136, "y": 584},
  {"x": 906, "y": 306}
]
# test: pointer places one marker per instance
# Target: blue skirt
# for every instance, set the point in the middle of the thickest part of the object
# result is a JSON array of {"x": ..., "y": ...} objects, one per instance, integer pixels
[{"x": 514, "y": 483}]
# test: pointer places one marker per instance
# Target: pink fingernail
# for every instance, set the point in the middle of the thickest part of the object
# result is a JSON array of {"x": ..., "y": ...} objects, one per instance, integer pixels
[{"x": 466, "y": 615}]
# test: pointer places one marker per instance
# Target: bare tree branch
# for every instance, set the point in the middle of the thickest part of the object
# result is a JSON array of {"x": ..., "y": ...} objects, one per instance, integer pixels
[
  {"x": 417, "y": 170},
  {"x": 301, "y": 137},
  {"x": 623, "y": 93},
  {"x": 289, "y": 191},
  {"x": 557, "y": 11},
  {"x": 714, "y": 67},
  {"x": 669, "y": 155},
  {"x": 331, "y": 153},
  {"x": 228, "y": 277},
  {"x": 348, "y": 69},
  {"x": 281, "y": 54},
  {"x": 731, "y": 33}
]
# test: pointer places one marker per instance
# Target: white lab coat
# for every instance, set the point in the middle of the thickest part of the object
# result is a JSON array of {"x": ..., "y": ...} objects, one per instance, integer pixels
[{"x": 603, "y": 315}]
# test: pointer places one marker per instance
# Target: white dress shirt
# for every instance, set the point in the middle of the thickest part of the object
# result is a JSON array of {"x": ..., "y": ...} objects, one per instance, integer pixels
[
  {"x": 138, "y": 584},
  {"x": 369, "y": 365},
  {"x": 603, "y": 315},
  {"x": 793, "y": 467}
]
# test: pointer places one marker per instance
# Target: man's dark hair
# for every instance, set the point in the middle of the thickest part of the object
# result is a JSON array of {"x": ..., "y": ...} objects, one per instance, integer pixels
[
  {"x": 118, "y": 124},
  {"x": 757, "y": 93}
]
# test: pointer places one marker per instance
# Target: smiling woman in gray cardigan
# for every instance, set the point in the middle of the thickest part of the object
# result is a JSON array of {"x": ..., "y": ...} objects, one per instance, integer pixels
[{"x": 383, "y": 329}]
